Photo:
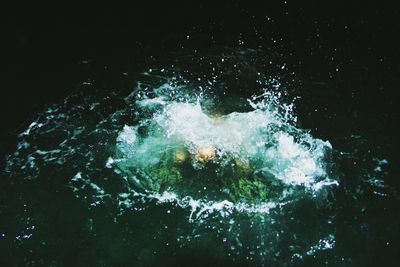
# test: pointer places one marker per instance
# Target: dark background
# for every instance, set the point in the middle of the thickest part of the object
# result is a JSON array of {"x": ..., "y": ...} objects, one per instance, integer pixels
[
  {"x": 42, "y": 43},
  {"x": 43, "y": 46},
  {"x": 347, "y": 55}
]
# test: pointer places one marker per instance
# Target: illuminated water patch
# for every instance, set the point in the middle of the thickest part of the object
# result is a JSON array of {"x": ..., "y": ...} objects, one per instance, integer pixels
[
  {"x": 211, "y": 165},
  {"x": 257, "y": 160}
]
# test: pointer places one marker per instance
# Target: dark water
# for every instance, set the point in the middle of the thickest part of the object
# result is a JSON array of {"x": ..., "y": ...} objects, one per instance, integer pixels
[{"x": 61, "y": 204}]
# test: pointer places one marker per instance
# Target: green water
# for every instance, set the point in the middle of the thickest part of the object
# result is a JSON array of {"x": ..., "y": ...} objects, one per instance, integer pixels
[{"x": 93, "y": 179}]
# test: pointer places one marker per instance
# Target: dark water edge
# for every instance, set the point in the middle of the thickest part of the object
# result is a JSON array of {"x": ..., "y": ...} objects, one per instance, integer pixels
[{"x": 44, "y": 65}]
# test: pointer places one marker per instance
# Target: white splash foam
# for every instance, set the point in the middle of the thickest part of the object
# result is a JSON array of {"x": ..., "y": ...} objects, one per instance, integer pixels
[
  {"x": 201, "y": 209},
  {"x": 265, "y": 135},
  {"x": 243, "y": 135}
]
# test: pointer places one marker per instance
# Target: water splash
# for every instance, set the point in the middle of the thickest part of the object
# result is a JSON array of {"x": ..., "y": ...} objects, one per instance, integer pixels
[
  {"x": 263, "y": 142},
  {"x": 112, "y": 150}
]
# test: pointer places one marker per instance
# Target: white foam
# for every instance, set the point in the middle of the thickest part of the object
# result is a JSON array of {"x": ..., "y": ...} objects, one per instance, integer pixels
[
  {"x": 244, "y": 135},
  {"x": 128, "y": 135},
  {"x": 201, "y": 209},
  {"x": 265, "y": 135}
]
